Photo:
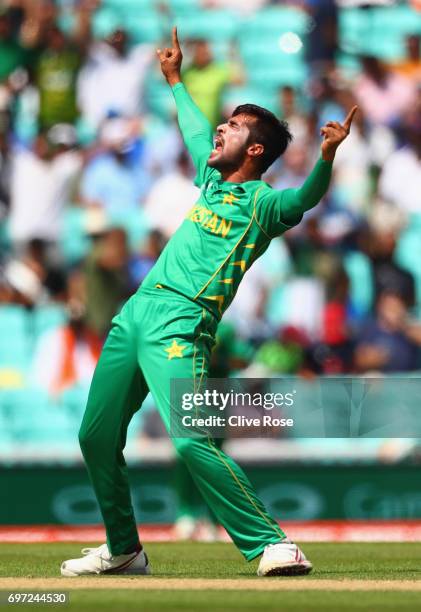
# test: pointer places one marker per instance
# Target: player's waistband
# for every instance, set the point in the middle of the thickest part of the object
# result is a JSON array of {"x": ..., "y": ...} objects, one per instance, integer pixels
[{"x": 158, "y": 290}]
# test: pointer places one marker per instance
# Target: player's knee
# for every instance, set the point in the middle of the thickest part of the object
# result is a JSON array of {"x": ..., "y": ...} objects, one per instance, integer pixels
[
  {"x": 87, "y": 440},
  {"x": 84, "y": 438},
  {"x": 189, "y": 448}
]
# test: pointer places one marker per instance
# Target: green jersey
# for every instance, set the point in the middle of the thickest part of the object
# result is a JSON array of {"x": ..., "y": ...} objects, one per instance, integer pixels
[{"x": 230, "y": 225}]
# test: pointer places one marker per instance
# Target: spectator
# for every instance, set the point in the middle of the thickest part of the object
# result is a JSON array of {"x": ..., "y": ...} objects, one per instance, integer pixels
[
  {"x": 58, "y": 59},
  {"x": 20, "y": 284},
  {"x": 386, "y": 224},
  {"x": 67, "y": 355},
  {"x": 403, "y": 167},
  {"x": 294, "y": 168},
  {"x": 382, "y": 94},
  {"x": 239, "y": 5},
  {"x": 112, "y": 80},
  {"x": 249, "y": 311},
  {"x": 55, "y": 77},
  {"x": 207, "y": 79},
  {"x": 114, "y": 179},
  {"x": 323, "y": 36},
  {"x": 39, "y": 256},
  {"x": 141, "y": 263},
  {"x": 335, "y": 351},
  {"x": 292, "y": 113},
  {"x": 171, "y": 197},
  {"x": 410, "y": 67},
  {"x": 389, "y": 342},
  {"x": 106, "y": 279},
  {"x": 12, "y": 54},
  {"x": 282, "y": 355},
  {"x": 5, "y": 169},
  {"x": 42, "y": 180},
  {"x": 352, "y": 186}
]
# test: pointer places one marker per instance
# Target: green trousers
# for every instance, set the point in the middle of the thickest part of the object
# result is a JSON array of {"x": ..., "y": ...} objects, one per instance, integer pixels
[{"x": 157, "y": 336}]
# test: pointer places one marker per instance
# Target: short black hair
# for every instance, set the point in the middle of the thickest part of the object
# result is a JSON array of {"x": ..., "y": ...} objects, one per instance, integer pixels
[{"x": 267, "y": 130}]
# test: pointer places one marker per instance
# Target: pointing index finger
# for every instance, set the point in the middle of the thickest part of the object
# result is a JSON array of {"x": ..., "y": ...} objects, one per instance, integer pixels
[
  {"x": 349, "y": 118},
  {"x": 175, "y": 42}
]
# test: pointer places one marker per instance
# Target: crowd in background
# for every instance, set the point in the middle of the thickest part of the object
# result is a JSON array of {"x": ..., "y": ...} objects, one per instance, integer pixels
[{"x": 94, "y": 180}]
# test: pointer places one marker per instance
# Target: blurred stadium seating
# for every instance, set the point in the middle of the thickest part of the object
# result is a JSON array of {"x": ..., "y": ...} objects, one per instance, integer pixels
[{"x": 272, "y": 49}]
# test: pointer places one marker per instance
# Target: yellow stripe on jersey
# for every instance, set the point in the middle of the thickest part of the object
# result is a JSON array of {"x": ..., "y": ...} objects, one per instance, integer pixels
[{"x": 241, "y": 263}]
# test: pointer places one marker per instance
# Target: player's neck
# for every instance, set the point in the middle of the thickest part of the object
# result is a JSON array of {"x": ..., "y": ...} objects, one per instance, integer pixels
[{"x": 240, "y": 176}]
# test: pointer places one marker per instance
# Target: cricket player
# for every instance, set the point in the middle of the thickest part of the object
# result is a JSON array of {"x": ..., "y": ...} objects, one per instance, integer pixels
[{"x": 167, "y": 329}]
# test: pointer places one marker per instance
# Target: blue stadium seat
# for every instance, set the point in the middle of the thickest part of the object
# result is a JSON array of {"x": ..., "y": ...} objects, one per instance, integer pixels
[
  {"x": 275, "y": 20},
  {"x": 13, "y": 318},
  {"x": 74, "y": 241},
  {"x": 265, "y": 97},
  {"x": 130, "y": 5},
  {"x": 357, "y": 267},
  {"x": 277, "y": 74},
  {"x": 145, "y": 27},
  {"x": 105, "y": 21},
  {"x": 48, "y": 317},
  {"x": 73, "y": 402},
  {"x": 159, "y": 99},
  {"x": 353, "y": 29},
  {"x": 22, "y": 413},
  {"x": 348, "y": 63},
  {"x": 15, "y": 342},
  {"x": 184, "y": 6},
  {"x": 408, "y": 251},
  {"x": 4, "y": 235},
  {"x": 402, "y": 20},
  {"x": 134, "y": 223},
  {"x": 212, "y": 25},
  {"x": 380, "y": 31}
]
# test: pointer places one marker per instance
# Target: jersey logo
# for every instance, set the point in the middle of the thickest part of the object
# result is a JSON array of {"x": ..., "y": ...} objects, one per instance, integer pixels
[
  {"x": 206, "y": 218},
  {"x": 175, "y": 350},
  {"x": 229, "y": 199}
]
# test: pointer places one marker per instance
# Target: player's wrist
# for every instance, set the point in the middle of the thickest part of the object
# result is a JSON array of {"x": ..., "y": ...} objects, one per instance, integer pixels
[
  {"x": 173, "y": 79},
  {"x": 328, "y": 155}
]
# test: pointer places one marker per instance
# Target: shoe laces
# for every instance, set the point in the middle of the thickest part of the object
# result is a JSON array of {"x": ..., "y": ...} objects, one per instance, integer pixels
[
  {"x": 98, "y": 551},
  {"x": 275, "y": 544}
]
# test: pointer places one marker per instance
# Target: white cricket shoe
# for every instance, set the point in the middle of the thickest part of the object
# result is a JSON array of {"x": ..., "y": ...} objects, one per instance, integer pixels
[
  {"x": 100, "y": 561},
  {"x": 283, "y": 559}
]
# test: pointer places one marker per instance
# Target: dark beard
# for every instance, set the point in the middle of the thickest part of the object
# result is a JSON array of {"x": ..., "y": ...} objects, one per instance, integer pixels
[{"x": 225, "y": 165}]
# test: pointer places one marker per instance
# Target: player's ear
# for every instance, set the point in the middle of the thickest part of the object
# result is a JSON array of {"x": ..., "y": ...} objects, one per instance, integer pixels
[{"x": 255, "y": 150}]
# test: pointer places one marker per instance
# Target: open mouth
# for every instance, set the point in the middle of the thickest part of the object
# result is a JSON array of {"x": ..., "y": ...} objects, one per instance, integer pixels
[{"x": 219, "y": 145}]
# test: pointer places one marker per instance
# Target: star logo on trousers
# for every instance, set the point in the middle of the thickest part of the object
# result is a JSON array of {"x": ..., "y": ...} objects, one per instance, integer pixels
[{"x": 175, "y": 350}]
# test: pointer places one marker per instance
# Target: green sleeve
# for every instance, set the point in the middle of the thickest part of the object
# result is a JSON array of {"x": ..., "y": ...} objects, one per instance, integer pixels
[
  {"x": 195, "y": 129},
  {"x": 279, "y": 210}
]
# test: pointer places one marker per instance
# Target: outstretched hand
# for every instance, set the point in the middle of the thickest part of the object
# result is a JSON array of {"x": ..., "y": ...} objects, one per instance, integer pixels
[
  {"x": 170, "y": 59},
  {"x": 334, "y": 133}
]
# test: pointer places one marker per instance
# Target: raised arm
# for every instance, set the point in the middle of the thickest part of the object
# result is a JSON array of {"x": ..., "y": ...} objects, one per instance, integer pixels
[
  {"x": 295, "y": 202},
  {"x": 277, "y": 209},
  {"x": 195, "y": 128}
]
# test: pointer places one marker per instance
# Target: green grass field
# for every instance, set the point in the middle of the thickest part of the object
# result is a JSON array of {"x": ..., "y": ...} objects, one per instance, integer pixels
[{"x": 173, "y": 562}]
